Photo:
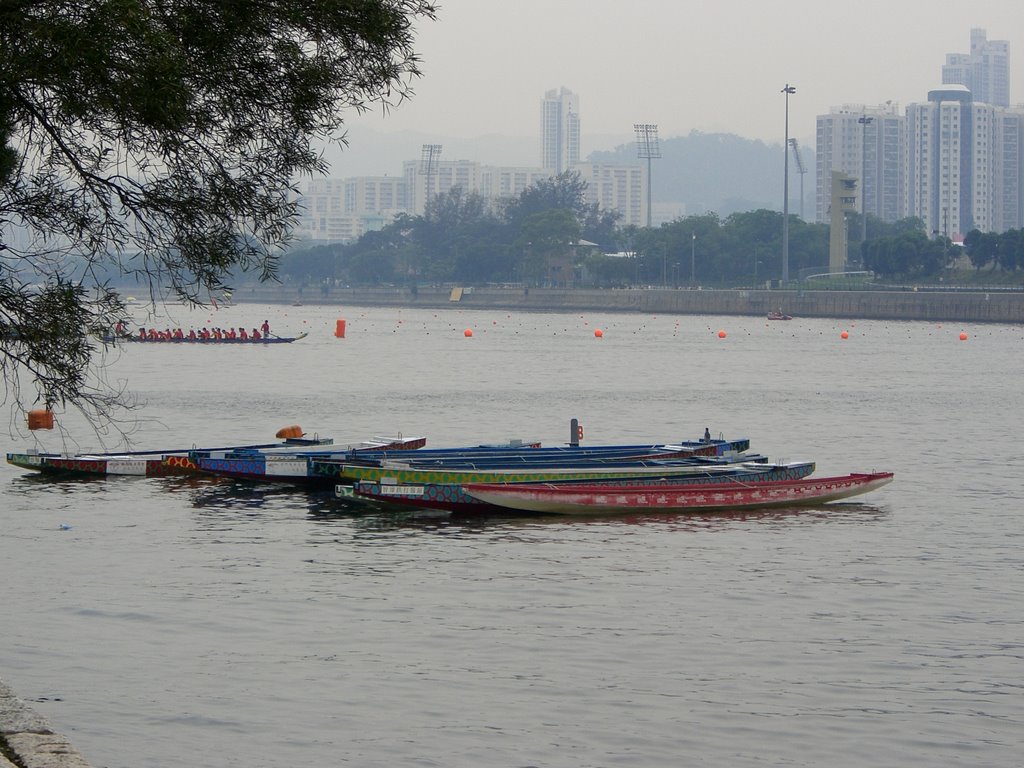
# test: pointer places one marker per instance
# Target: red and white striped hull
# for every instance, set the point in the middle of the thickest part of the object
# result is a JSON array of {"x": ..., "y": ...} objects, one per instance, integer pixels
[{"x": 591, "y": 499}]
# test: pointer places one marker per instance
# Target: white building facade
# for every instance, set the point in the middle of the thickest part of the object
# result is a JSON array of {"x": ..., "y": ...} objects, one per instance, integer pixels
[
  {"x": 559, "y": 131},
  {"x": 343, "y": 210},
  {"x": 619, "y": 188},
  {"x": 442, "y": 177},
  {"x": 985, "y": 71},
  {"x": 952, "y": 162},
  {"x": 869, "y": 143}
]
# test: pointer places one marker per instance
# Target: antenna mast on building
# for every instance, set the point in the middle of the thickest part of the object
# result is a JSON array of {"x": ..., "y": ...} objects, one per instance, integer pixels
[
  {"x": 801, "y": 170},
  {"x": 647, "y": 147},
  {"x": 428, "y": 167}
]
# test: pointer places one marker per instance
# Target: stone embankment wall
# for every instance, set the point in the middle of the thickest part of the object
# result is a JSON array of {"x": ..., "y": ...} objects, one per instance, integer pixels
[
  {"x": 959, "y": 306},
  {"x": 27, "y": 740}
]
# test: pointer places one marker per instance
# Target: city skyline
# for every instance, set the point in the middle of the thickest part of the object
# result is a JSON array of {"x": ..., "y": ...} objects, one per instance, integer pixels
[{"x": 684, "y": 66}]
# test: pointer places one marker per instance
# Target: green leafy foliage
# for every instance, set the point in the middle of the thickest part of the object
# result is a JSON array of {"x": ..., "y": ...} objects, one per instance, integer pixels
[
  {"x": 160, "y": 142},
  {"x": 1004, "y": 250}
]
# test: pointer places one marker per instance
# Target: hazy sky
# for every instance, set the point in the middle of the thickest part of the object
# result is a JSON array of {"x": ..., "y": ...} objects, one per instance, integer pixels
[{"x": 683, "y": 64}]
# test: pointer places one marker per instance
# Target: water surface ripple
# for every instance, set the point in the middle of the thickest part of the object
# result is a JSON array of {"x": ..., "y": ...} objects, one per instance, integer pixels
[{"x": 191, "y": 622}]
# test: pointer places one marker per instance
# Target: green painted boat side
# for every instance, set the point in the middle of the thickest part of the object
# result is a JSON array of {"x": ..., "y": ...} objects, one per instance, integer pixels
[{"x": 351, "y": 473}]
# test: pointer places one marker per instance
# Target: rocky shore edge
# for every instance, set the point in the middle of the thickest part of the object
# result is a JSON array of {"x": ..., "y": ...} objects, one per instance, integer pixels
[{"x": 27, "y": 740}]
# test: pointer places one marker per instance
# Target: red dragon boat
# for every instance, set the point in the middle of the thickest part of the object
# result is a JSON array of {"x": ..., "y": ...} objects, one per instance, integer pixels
[{"x": 566, "y": 499}]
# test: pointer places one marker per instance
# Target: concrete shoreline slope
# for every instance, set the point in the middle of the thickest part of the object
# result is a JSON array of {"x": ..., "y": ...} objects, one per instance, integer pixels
[
  {"x": 27, "y": 740},
  {"x": 993, "y": 306}
]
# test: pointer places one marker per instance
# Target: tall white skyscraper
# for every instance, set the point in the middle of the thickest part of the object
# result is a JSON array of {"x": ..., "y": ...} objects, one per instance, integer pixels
[
  {"x": 938, "y": 161},
  {"x": 985, "y": 70},
  {"x": 559, "y": 130}
]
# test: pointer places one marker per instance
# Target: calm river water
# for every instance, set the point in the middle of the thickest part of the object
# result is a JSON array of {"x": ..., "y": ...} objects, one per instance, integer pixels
[{"x": 183, "y": 623}]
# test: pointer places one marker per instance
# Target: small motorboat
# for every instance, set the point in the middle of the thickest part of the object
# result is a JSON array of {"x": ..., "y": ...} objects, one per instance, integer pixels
[{"x": 779, "y": 316}]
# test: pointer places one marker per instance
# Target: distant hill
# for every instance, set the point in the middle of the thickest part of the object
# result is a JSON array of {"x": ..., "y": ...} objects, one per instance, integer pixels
[
  {"x": 721, "y": 172},
  {"x": 700, "y": 172}
]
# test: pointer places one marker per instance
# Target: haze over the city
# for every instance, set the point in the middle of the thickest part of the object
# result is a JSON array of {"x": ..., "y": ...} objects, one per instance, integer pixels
[{"x": 713, "y": 67}]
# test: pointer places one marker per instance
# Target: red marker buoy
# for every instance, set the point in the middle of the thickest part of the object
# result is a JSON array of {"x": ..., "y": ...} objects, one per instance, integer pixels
[
  {"x": 598, "y": 332},
  {"x": 468, "y": 332},
  {"x": 844, "y": 335},
  {"x": 722, "y": 334},
  {"x": 963, "y": 336}
]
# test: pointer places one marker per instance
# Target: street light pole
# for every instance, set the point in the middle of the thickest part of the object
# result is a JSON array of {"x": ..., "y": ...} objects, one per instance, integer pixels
[
  {"x": 785, "y": 192},
  {"x": 864, "y": 121},
  {"x": 693, "y": 258}
]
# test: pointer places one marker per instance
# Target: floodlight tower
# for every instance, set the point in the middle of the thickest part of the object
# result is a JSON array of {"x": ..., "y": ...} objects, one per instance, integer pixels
[
  {"x": 428, "y": 167},
  {"x": 801, "y": 170},
  {"x": 647, "y": 147},
  {"x": 789, "y": 89}
]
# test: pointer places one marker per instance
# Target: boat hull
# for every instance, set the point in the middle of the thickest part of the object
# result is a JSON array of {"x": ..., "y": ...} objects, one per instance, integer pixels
[
  {"x": 203, "y": 342},
  {"x": 403, "y": 474},
  {"x": 161, "y": 463},
  {"x": 293, "y": 467},
  {"x": 454, "y": 498},
  {"x": 591, "y": 500}
]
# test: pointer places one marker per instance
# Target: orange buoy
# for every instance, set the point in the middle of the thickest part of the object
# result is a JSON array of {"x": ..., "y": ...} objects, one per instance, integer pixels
[
  {"x": 287, "y": 433},
  {"x": 963, "y": 336},
  {"x": 722, "y": 334},
  {"x": 468, "y": 332},
  {"x": 598, "y": 333},
  {"x": 339, "y": 328},
  {"x": 41, "y": 418},
  {"x": 844, "y": 335}
]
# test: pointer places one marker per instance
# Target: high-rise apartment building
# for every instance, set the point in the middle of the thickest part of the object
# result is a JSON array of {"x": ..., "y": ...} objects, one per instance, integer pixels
[
  {"x": 965, "y": 165},
  {"x": 421, "y": 187},
  {"x": 1008, "y": 170},
  {"x": 502, "y": 182},
  {"x": 341, "y": 210},
  {"x": 985, "y": 71},
  {"x": 867, "y": 143},
  {"x": 955, "y": 161},
  {"x": 559, "y": 130},
  {"x": 940, "y": 161},
  {"x": 617, "y": 188}
]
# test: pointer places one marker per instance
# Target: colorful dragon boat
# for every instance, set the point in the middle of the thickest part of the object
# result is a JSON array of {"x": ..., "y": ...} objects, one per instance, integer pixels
[
  {"x": 569, "y": 499},
  {"x": 157, "y": 463},
  {"x": 454, "y": 498}
]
